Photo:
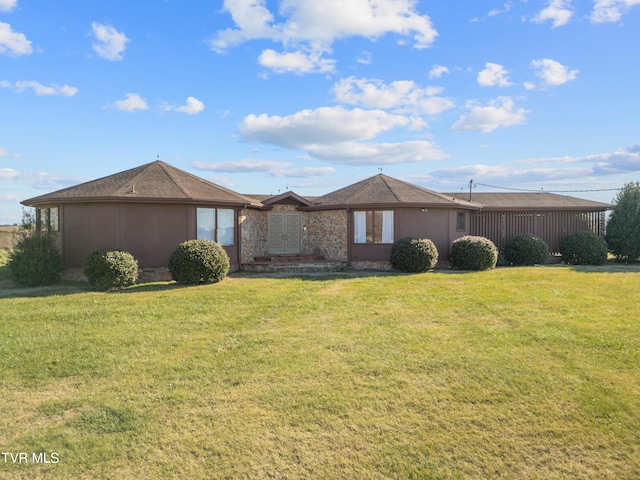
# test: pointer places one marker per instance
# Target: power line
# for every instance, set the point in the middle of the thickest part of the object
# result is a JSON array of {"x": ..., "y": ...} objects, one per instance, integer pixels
[{"x": 548, "y": 191}]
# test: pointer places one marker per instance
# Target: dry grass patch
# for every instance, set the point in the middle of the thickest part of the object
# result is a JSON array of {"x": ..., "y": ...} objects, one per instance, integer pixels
[{"x": 7, "y": 236}]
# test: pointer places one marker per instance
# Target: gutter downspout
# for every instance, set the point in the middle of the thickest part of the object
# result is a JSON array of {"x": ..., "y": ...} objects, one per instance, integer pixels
[
  {"x": 349, "y": 237},
  {"x": 238, "y": 237}
]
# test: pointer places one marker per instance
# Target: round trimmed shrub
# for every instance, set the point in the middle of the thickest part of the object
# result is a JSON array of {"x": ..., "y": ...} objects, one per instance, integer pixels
[
  {"x": 414, "y": 255},
  {"x": 473, "y": 253},
  {"x": 526, "y": 249},
  {"x": 199, "y": 261},
  {"x": 35, "y": 260},
  {"x": 110, "y": 269},
  {"x": 583, "y": 248}
]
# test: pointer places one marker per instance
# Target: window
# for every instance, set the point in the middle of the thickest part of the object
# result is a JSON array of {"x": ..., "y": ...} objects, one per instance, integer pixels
[
  {"x": 461, "y": 222},
  {"x": 48, "y": 219},
  {"x": 373, "y": 226},
  {"x": 216, "y": 224}
]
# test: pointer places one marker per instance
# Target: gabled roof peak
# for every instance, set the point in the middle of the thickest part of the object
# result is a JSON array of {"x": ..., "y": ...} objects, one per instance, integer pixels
[
  {"x": 382, "y": 190},
  {"x": 156, "y": 181}
]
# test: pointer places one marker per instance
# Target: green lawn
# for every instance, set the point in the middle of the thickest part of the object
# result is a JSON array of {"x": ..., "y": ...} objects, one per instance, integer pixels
[{"x": 522, "y": 373}]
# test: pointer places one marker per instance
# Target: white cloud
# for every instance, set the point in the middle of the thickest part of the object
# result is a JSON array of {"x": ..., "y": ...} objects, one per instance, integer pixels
[
  {"x": 558, "y": 12},
  {"x": 9, "y": 174},
  {"x": 132, "y": 102},
  {"x": 7, "y": 5},
  {"x": 437, "y": 71},
  {"x": 40, "y": 180},
  {"x": 553, "y": 73},
  {"x": 611, "y": 10},
  {"x": 39, "y": 89},
  {"x": 6, "y": 153},
  {"x": 624, "y": 160},
  {"x": 326, "y": 125},
  {"x": 10, "y": 198},
  {"x": 365, "y": 58},
  {"x": 192, "y": 107},
  {"x": 338, "y": 135},
  {"x": 401, "y": 96},
  {"x": 270, "y": 167},
  {"x": 493, "y": 75},
  {"x": 497, "y": 11},
  {"x": 243, "y": 166},
  {"x": 309, "y": 28},
  {"x": 296, "y": 62},
  {"x": 602, "y": 170},
  {"x": 308, "y": 172},
  {"x": 507, "y": 174},
  {"x": 359, "y": 153},
  {"x": 253, "y": 20},
  {"x": 13, "y": 43},
  {"x": 110, "y": 44},
  {"x": 498, "y": 113}
]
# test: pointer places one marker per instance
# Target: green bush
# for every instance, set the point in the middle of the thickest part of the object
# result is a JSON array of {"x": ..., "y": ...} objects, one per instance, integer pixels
[
  {"x": 583, "y": 248},
  {"x": 623, "y": 227},
  {"x": 35, "y": 259},
  {"x": 473, "y": 253},
  {"x": 526, "y": 249},
  {"x": 414, "y": 255},
  {"x": 199, "y": 261},
  {"x": 108, "y": 269}
]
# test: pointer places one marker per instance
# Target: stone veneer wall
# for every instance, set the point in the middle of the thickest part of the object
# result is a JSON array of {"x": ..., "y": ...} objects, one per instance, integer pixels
[
  {"x": 324, "y": 233},
  {"x": 253, "y": 234}
]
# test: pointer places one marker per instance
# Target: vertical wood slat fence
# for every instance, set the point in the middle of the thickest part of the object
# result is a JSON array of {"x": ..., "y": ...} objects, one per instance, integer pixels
[{"x": 551, "y": 226}]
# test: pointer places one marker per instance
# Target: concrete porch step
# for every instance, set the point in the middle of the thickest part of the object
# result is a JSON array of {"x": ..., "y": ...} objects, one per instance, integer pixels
[
  {"x": 292, "y": 263},
  {"x": 288, "y": 259}
]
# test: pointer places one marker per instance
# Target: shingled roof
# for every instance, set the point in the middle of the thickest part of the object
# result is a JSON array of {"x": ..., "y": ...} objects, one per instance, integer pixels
[
  {"x": 531, "y": 201},
  {"x": 383, "y": 191},
  {"x": 152, "y": 182}
]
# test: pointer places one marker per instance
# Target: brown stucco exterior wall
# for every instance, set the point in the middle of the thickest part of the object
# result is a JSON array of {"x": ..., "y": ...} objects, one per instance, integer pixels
[
  {"x": 437, "y": 224},
  {"x": 150, "y": 232}
]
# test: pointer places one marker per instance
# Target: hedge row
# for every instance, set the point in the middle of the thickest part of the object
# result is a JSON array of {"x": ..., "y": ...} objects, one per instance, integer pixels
[
  {"x": 411, "y": 254},
  {"x": 36, "y": 260}
]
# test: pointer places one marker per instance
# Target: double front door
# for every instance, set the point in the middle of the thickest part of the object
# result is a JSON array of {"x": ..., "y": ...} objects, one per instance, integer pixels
[{"x": 284, "y": 232}]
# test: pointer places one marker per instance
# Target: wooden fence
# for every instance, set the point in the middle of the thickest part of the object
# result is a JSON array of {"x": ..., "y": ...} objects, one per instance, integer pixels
[{"x": 551, "y": 226}]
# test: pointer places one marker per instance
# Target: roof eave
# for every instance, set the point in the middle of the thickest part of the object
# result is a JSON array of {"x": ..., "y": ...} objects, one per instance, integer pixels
[
  {"x": 38, "y": 201},
  {"x": 369, "y": 206},
  {"x": 558, "y": 208}
]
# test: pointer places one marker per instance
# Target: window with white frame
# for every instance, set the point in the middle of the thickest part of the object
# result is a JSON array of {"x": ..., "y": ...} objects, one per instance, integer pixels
[
  {"x": 216, "y": 224},
  {"x": 373, "y": 226}
]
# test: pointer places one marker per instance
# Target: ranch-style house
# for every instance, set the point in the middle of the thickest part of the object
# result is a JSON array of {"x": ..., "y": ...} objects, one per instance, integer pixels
[{"x": 149, "y": 210}]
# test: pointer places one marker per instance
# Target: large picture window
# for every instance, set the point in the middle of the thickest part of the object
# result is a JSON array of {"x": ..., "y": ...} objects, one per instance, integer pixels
[
  {"x": 216, "y": 224},
  {"x": 373, "y": 226}
]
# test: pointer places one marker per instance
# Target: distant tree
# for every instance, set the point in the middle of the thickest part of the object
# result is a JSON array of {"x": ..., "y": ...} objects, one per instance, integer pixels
[
  {"x": 623, "y": 227},
  {"x": 35, "y": 259}
]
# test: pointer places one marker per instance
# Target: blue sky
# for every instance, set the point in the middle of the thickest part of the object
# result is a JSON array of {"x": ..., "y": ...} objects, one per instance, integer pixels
[{"x": 266, "y": 96}]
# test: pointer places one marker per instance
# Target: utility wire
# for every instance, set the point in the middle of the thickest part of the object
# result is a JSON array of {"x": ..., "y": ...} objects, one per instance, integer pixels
[{"x": 548, "y": 191}]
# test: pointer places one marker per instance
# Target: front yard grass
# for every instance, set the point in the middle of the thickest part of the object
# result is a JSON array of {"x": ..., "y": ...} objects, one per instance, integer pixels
[{"x": 524, "y": 373}]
